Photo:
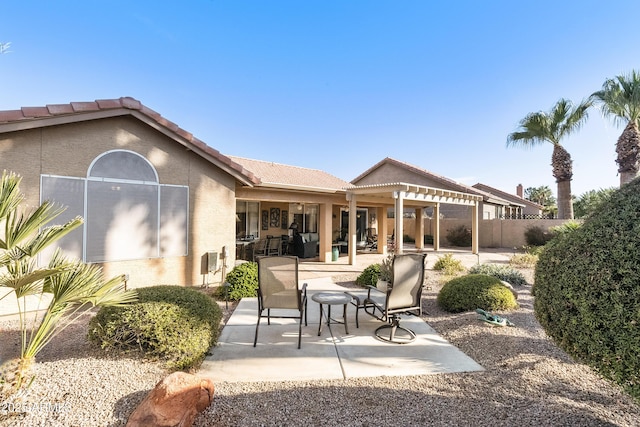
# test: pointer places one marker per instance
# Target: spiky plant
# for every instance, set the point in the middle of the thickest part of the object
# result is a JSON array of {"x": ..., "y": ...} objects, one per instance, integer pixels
[
  {"x": 74, "y": 287},
  {"x": 538, "y": 128},
  {"x": 619, "y": 99}
]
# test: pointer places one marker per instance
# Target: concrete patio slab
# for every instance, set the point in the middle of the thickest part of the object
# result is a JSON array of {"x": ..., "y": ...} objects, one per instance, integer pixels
[{"x": 332, "y": 355}]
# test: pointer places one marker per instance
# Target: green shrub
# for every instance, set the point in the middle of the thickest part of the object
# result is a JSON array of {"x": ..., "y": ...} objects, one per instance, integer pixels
[
  {"x": 243, "y": 282},
  {"x": 502, "y": 272},
  {"x": 587, "y": 289},
  {"x": 448, "y": 265},
  {"x": 428, "y": 239},
  {"x": 408, "y": 239},
  {"x": 537, "y": 236},
  {"x": 459, "y": 236},
  {"x": 566, "y": 227},
  {"x": 171, "y": 323},
  {"x": 473, "y": 291},
  {"x": 369, "y": 275}
]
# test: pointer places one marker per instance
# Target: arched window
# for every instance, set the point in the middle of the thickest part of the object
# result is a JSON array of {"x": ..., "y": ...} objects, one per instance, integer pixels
[{"x": 128, "y": 213}]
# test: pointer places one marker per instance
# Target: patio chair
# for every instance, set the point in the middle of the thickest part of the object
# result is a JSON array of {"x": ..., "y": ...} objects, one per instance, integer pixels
[
  {"x": 402, "y": 297},
  {"x": 278, "y": 289},
  {"x": 274, "y": 246},
  {"x": 259, "y": 248}
]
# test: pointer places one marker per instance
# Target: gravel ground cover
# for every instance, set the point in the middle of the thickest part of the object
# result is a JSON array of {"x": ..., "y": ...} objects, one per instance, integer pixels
[{"x": 528, "y": 382}]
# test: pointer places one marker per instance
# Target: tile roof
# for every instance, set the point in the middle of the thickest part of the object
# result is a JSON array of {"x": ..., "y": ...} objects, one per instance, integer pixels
[
  {"x": 55, "y": 114},
  {"x": 286, "y": 176},
  {"x": 449, "y": 183},
  {"x": 511, "y": 197}
]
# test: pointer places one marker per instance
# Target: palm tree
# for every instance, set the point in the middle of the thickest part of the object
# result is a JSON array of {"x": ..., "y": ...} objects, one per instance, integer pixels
[
  {"x": 74, "y": 286},
  {"x": 538, "y": 128},
  {"x": 619, "y": 99}
]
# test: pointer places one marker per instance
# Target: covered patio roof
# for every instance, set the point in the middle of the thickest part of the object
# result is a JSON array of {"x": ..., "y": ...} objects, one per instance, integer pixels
[{"x": 400, "y": 194}]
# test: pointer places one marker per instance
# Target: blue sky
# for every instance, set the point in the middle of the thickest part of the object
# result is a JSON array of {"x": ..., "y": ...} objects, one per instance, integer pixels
[{"x": 339, "y": 85}]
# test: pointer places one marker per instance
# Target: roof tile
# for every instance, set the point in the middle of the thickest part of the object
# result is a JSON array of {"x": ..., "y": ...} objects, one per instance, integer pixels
[
  {"x": 57, "y": 109},
  {"x": 35, "y": 111},
  {"x": 85, "y": 106}
]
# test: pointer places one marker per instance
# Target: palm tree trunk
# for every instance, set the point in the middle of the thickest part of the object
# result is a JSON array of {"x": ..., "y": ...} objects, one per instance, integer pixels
[
  {"x": 565, "y": 203},
  {"x": 628, "y": 149}
]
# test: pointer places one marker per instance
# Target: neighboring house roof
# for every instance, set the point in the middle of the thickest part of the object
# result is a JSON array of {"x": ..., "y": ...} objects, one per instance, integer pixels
[
  {"x": 513, "y": 198},
  {"x": 277, "y": 175},
  {"x": 57, "y": 114},
  {"x": 445, "y": 182}
]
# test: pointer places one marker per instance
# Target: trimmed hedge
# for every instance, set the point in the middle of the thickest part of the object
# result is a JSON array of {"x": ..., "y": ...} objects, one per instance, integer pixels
[
  {"x": 171, "y": 323},
  {"x": 473, "y": 291},
  {"x": 587, "y": 289},
  {"x": 369, "y": 275}
]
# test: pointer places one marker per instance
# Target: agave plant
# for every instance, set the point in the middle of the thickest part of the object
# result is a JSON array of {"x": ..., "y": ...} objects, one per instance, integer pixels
[{"x": 74, "y": 286}]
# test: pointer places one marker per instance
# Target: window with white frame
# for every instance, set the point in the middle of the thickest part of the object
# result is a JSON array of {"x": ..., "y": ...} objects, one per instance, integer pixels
[{"x": 128, "y": 213}]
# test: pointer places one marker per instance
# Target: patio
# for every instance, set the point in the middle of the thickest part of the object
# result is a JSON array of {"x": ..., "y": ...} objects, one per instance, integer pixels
[{"x": 333, "y": 355}]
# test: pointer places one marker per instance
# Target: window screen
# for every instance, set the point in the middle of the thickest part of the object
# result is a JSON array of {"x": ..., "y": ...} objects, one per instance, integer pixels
[
  {"x": 123, "y": 165},
  {"x": 128, "y": 215},
  {"x": 122, "y": 221},
  {"x": 67, "y": 192},
  {"x": 174, "y": 205}
]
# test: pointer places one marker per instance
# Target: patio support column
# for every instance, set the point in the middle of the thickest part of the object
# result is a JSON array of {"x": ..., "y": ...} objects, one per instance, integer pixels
[
  {"x": 399, "y": 216},
  {"x": 419, "y": 235},
  {"x": 383, "y": 229},
  {"x": 352, "y": 240},
  {"x": 474, "y": 228},
  {"x": 325, "y": 232},
  {"x": 436, "y": 227}
]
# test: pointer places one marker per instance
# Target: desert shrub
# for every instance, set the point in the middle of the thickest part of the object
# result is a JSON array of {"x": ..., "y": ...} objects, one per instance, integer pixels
[
  {"x": 502, "y": 272},
  {"x": 566, "y": 227},
  {"x": 537, "y": 236},
  {"x": 459, "y": 236},
  {"x": 587, "y": 289},
  {"x": 171, "y": 323},
  {"x": 369, "y": 275},
  {"x": 448, "y": 265},
  {"x": 473, "y": 291},
  {"x": 243, "y": 282},
  {"x": 526, "y": 260}
]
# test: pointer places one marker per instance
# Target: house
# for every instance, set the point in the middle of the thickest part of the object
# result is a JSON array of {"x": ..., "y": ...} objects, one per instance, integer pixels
[
  {"x": 162, "y": 207},
  {"x": 392, "y": 170},
  {"x": 519, "y": 207},
  {"x": 157, "y": 202}
]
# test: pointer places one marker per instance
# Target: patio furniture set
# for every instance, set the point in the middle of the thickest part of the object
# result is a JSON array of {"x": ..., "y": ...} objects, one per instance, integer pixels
[{"x": 278, "y": 288}]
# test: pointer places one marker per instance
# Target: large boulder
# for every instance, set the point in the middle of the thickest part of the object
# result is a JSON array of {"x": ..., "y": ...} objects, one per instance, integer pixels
[{"x": 175, "y": 401}]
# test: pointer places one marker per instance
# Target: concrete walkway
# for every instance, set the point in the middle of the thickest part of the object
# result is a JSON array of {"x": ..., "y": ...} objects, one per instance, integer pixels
[{"x": 332, "y": 355}]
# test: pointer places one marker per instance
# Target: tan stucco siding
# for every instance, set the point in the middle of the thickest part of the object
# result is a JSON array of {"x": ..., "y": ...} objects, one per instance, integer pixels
[{"x": 68, "y": 150}]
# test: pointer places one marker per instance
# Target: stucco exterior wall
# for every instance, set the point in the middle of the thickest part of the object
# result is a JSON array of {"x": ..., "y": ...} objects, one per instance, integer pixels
[{"x": 68, "y": 150}]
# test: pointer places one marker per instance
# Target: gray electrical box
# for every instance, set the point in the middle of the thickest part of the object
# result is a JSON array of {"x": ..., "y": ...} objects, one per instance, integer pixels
[{"x": 212, "y": 261}]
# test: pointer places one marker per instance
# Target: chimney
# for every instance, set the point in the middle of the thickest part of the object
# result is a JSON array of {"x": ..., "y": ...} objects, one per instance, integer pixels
[{"x": 519, "y": 191}]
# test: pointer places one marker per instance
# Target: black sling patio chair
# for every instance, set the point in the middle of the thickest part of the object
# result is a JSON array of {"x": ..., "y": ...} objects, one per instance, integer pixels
[
  {"x": 403, "y": 296},
  {"x": 278, "y": 289}
]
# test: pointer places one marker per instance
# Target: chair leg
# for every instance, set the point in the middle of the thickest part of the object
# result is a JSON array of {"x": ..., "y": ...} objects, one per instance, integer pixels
[
  {"x": 408, "y": 337},
  {"x": 255, "y": 339}
]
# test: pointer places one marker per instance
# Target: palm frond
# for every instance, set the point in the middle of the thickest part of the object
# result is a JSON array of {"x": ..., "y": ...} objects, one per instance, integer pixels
[
  {"x": 10, "y": 194},
  {"x": 19, "y": 226}
]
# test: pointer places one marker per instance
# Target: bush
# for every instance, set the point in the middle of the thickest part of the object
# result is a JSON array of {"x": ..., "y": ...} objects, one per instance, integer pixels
[
  {"x": 502, "y": 272},
  {"x": 369, "y": 275},
  {"x": 171, "y": 323},
  {"x": 459, "y": 236},
  {"x": 587, "y": 289},
  {"x": 537, "y": 236},
  {"x": 526, "y": 260},
  {"x": 243, "y": 282},
  {"x": 448, "y": 265},
  {"x": 428, "y": 239},
  {"x": 475, "y": 291}
]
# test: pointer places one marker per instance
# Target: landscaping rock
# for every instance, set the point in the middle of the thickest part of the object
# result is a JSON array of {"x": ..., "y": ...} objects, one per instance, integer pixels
[{"x": 175, "y": 401}]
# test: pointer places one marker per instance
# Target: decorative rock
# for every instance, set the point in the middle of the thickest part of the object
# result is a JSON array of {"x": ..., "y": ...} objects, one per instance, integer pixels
[
  {"x": 508, "y": 285},
  {"x": 175, "y": 401}
]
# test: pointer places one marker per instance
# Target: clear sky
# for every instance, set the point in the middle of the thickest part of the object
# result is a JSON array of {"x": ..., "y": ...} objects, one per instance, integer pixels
[{"x": 338, "y": 85}]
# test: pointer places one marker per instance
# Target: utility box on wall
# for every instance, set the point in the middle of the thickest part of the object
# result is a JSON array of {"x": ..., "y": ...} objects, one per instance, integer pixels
[{"x": 212, "y": 262}]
